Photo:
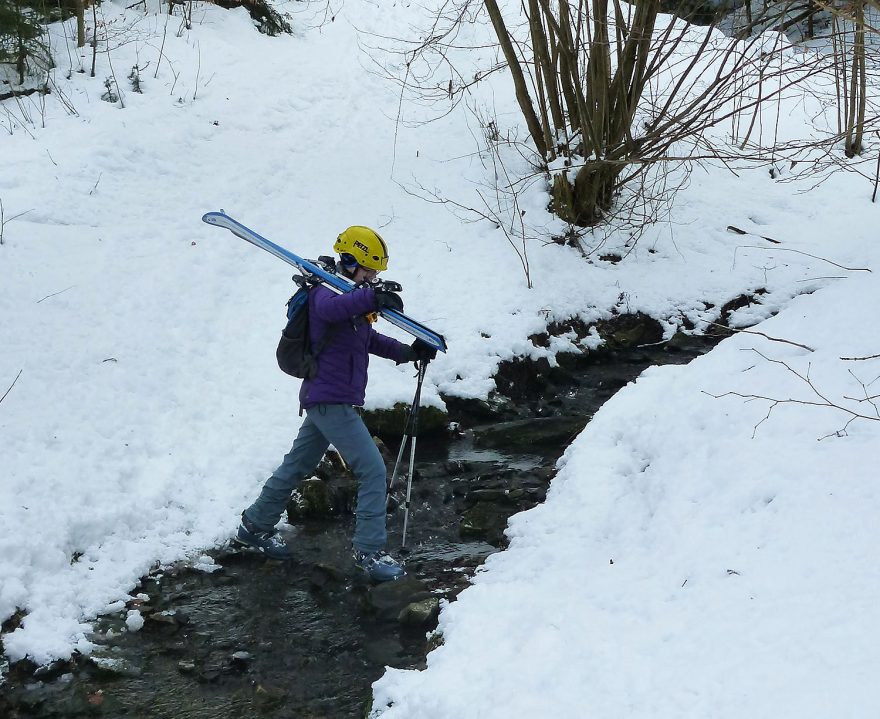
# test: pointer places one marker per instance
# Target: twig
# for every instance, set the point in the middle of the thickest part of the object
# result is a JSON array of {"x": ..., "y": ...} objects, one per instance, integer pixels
[
  {"x": 56, "y": 293},
  {"x": 737, "y": 230},
  {"x": 4, "y": 221},
  {"x": 11, "y": 386},
  {"x": 859, "y": 359},
  {"x": 815, "y": 257},
  {"x": 198, "y": 68},
  {"x": 825, "y": 401},
  {"x": 755, "y": 332},
  {"x": 161, "y": 48},
  {"x": 876, "y": 176}
]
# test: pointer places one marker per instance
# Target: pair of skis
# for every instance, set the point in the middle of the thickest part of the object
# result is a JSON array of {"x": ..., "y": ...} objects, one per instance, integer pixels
[{"x": 331, "y": 280}]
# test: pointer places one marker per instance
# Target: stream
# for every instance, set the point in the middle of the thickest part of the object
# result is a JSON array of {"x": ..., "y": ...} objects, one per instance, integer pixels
[{"x": 307, "y": 638}]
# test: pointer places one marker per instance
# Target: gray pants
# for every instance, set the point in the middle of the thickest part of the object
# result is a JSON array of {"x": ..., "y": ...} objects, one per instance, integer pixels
[{"x": 341, "y": 426}]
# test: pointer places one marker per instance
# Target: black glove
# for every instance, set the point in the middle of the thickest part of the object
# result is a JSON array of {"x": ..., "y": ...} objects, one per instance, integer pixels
[
  {"x": 422, "y": 351},
  {"x": 388, "y": 300}
]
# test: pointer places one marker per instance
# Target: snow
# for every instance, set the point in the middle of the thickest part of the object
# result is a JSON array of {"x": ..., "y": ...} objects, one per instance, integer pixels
[
  {"x": 134, "y": 620},
  {"x": 691, "y": 559},
  {"x": 681, "y": 566}
]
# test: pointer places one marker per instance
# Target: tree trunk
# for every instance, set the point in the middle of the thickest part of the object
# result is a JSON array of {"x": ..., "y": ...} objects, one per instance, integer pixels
[
  {"x": 855, "y": 116},
  {"x": 80, "y": 23},
  {"x": 519, "y": 82}
]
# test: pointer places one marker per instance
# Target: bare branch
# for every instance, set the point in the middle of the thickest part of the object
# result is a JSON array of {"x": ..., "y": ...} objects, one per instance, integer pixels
[
  {"x": 821, "y": 399},
  {"x": 11, "y": 386},
  {"x": 766, "y": 336},
  {"x": 807, "y": 254}
]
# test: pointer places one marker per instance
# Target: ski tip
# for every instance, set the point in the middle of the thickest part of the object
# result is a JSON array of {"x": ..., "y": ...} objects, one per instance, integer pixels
[{"x": 212, "y": 218}]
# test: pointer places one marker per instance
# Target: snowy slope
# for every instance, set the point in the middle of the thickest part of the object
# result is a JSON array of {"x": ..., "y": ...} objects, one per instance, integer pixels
[
  {"x": 149, "y": 409},
  {"x": 682, "y": 566}
]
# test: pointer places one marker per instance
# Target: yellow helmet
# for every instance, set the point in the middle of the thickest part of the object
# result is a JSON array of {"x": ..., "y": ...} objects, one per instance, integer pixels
[{"x": 365, "y": 245}]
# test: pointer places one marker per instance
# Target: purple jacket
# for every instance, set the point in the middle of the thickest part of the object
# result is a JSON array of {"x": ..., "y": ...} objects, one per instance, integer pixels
[{"x": 342, "y": 364}]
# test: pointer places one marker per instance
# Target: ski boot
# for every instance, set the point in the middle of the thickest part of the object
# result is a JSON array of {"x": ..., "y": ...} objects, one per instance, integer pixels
[
  {"x": 267, "y": 542},
  {"x": 379, "y": 566}
]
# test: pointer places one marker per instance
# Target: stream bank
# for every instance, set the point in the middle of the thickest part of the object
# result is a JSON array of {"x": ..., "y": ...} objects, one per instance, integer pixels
[{"x": 308, "y": 638}]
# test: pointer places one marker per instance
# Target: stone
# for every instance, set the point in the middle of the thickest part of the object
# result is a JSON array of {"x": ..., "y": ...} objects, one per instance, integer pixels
[
  {"x": 420, "y": 613},
  {"x": 164, "y": 619},
  {"x": 435, "y": 641},
  {"x": 522, "y": 378},
  {"x": 628, "y": 331},
  {"x": 268, "y": 697},
  {"x": 386, "y": 453},
  {"x": 321, "y": 574},
  {"x": 48, "y": 672},
  {"x": 540, "y": 431},
  {"x": 496, "y": 407},
  {"x": 389, "y": 424},
  {"x": 240, "y": 660},
  {"x": 315, "y": 498},
  {"x": 114, "y": 666},
  {"x": 388, "y": 599},
  {"x": 485, "y": 520},
  {"x": 496, "y": 496}
]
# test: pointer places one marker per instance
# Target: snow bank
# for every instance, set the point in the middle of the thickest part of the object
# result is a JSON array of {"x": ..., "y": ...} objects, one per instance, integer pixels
[{"x": 695, "y": 557}]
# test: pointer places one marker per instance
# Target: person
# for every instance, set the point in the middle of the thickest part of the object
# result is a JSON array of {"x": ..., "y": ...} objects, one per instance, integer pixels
[{"x": 343, "y": 323}]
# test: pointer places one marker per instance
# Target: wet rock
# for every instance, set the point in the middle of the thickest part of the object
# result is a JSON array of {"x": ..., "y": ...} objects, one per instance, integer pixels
[
  {"x": 268, "y": 697},
  {"x": 420, "y": 613},
  {"x": 541, "y": 431},
  {"x": 209, "y": 674},
  {"x": 165, "y": 620},
  {"x": 13, "y": 622},
  {"x": 240, "y": 660},
  {"x": 523, "y": 378},
  {"x": 471, "y": 411},
  {"x": 528, "y": 497},
  {"x": 388, "y": 599},
  {"x": 322, "y": 575},
  {"x": 113, "y": 667},
  {"x": 435, "y": 641},
  {"x": 496, "y": 496},
  {"x": 177, "y": 648},
  {"x": 49, "y": 672},
  {"x": 628, "y": 331},
  {"x": 386, "y": 453},
  {"x": 320, "y": 498},
  {"x": 486, "y": 521},
  {"x": 315, "y": 498},
  {"x": 681, "y": 342},
  {"x": 390, "y": 423},
  {"x": 332, "y": 467}
]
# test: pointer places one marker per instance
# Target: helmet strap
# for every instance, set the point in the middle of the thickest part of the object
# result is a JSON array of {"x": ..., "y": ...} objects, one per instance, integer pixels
[{"x": 348, "y": 264}]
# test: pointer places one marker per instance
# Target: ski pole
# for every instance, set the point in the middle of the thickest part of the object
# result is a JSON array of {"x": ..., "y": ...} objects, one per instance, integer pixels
[
  {"x": 423, "y": 366},
  {"x": 404, "y": 439},
  {"x": 410, "y": 432}
]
